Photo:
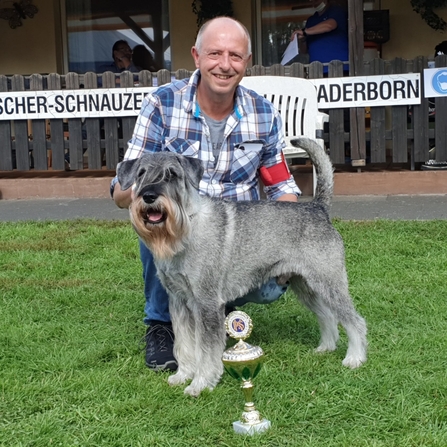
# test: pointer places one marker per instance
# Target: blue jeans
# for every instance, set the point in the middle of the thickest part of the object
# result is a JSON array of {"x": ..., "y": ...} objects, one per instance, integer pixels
[{"x": 157, "y": 304}]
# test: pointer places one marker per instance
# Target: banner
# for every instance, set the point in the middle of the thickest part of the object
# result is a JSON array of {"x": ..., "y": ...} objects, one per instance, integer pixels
[
  {"x": 368, "y": 91},
  {"x": 82, "y": 103}
]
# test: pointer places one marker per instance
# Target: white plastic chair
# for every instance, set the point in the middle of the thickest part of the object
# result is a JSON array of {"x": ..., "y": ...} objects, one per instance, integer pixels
[{"x": 296, "y": 101}]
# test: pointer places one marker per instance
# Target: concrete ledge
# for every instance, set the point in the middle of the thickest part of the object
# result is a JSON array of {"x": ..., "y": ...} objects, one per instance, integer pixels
[
  {"x": 57, "y": 188},
  {"x": 91, "y": 185}
]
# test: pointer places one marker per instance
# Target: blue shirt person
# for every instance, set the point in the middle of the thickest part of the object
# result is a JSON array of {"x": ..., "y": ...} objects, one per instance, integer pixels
[{"x": 326, "y": 34}]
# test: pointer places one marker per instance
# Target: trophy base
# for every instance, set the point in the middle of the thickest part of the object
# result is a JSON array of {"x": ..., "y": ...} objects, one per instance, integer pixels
[{"x": 251, "y": 429}]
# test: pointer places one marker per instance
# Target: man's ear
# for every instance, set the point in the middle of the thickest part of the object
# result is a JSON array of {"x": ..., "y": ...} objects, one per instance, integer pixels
[
  {"x": 126, "y": 172},
  {"x": 193, "y": 169}
]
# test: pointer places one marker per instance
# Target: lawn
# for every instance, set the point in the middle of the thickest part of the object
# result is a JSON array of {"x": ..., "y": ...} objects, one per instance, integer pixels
[{"x": 72, "y": 370}]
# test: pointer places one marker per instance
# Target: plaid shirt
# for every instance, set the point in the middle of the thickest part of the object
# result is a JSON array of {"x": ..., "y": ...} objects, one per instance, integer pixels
[{"x": 170, "y": 120}]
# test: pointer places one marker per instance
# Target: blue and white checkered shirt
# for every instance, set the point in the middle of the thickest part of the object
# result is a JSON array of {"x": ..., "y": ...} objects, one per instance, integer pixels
[{"x": 170, "y": 120}]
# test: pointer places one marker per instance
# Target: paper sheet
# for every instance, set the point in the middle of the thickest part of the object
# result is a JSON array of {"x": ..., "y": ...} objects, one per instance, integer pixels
[{"x": 291, "y": 51}]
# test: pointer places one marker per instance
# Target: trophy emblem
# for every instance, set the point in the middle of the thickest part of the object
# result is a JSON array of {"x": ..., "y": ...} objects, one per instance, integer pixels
[{"x": 243, "y": 363}]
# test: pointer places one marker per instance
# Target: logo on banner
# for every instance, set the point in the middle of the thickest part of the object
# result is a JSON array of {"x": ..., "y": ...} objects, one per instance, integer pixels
[{"x": 439, "y": 82}]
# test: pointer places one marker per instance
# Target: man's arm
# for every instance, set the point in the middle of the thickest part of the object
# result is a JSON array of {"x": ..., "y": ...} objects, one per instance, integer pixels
[{"x": 287, "y": 198}]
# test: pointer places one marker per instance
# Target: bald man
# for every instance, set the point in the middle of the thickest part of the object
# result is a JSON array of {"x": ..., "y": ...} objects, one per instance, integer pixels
[{"x": 238, "y": 136}]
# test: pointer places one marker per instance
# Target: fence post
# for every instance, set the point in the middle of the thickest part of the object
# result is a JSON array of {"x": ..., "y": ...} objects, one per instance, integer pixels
[
  {"x": 440, "y": 118},
  {"x": 420, "y": 117}
]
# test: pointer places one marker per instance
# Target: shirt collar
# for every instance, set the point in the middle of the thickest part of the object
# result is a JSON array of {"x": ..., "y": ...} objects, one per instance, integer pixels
[{"x": 190, "y": 102}]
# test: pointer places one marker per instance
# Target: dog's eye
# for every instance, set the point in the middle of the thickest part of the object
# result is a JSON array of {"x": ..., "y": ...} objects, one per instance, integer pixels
[
  {"x": 172, "y": 174},
  {"x": 141, "y": 172}
]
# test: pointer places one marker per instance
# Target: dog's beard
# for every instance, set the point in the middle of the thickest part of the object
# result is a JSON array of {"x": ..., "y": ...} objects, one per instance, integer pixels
[{"x": 163, "y": 228}]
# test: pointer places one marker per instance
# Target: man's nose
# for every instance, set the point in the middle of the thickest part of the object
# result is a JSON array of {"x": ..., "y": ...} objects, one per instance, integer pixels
[{"x": 224, "y": 61}]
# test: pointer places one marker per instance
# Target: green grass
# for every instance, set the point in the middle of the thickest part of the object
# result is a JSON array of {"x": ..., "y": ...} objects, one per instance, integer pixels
[{"x": 72, "y": 371}]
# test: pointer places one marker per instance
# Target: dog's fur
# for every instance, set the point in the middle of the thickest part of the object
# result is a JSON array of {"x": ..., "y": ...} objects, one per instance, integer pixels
[{"x": 209, "y": 252}]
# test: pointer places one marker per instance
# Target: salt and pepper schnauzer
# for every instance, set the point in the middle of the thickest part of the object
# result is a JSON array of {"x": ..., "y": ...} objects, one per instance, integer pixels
[{"x": 208, "y": 252}]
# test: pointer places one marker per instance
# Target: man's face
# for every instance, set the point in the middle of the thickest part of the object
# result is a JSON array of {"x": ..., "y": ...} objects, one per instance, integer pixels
[
  {"x": 123, "y": 50},
  {"x": 222, "y": 58}
]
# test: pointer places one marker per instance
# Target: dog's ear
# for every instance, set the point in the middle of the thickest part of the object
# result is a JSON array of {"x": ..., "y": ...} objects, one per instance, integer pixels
[
  {"x": 126, "y": 172},
  {"x": 193, "y": 169}
]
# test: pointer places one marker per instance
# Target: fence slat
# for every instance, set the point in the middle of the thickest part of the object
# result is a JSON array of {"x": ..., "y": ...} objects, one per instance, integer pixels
[
  {"x": 257, "y": 70},
  {"x": 297, "y": 70},
  {"x": 21, "y": 130},
  {"x": 377, "y": 121},
  {"x": 39, "y": 131},
  {"x": 75, "y": 149},
  {"x": 6, "y": 159},
  {"x": 56, "y": 130},
  {"x": 92, "y": 126},
  {"x": 336, "y": 122},
  {"x": 128, "y": 122},
  {"x": 111, "y": 127},
  {"x": 399, "y": 120}
]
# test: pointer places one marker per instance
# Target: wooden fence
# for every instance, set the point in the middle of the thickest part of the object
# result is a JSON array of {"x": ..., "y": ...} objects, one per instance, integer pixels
[{"x": 384, "y": 136}]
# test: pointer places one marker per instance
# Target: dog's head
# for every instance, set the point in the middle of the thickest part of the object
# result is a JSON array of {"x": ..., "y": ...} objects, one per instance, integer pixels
[
  {"x": 158, "y": 167},
  {"x": 165, "y": 187}
]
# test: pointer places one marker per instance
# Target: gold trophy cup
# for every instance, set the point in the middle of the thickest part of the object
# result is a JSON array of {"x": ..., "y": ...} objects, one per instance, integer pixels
[{"x": 243, "y": 362}]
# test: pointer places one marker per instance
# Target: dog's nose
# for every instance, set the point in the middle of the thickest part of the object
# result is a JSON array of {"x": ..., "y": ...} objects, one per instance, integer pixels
[{"x": 150, "y": 197}]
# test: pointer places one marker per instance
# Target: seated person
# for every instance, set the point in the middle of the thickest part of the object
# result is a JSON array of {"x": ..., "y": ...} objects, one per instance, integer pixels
[
  {"x": 122, "y": 59},
  {"x": 143, "y": 58}
]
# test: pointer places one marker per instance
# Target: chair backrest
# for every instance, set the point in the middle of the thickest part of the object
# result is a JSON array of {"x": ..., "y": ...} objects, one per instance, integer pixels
[{"x": 296, "y": 101}]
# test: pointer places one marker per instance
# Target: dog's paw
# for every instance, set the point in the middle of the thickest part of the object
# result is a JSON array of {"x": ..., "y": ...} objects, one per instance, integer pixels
[
  {"x": 178, "y": 378},
  {"x": 197, "y": 386},
  {"x": 353, "y": 362},
  {"x": 326, "y": 347}
]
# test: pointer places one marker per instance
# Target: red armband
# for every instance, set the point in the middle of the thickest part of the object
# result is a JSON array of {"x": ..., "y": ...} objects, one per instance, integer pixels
[{"x": 275, "y": 174}]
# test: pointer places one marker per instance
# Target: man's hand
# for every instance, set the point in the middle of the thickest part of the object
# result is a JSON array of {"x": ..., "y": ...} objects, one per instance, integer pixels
[
  {"x": 122, "y": 59},
  {"x": 122, "y": 199}
]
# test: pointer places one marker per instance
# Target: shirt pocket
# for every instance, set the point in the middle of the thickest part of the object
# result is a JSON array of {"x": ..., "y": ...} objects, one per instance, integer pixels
[
  {"x": 188, "y": 148},
  {"x": 246, "y": 159}
]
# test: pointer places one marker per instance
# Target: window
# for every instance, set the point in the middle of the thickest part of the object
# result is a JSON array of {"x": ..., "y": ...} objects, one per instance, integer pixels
[
  {"x": 93, "y": 26},
  {"x": 278, "y": 19}
]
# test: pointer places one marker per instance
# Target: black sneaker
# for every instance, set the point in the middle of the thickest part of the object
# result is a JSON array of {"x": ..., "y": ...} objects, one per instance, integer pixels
[{"x": 159, "y": 340}]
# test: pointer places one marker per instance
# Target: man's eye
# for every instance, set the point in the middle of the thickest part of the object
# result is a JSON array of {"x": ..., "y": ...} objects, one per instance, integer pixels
[{"x": 236, "y": 58}]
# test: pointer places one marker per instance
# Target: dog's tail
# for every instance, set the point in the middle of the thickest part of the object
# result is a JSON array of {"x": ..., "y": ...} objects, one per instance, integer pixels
[{"x": 323, "y": 167}]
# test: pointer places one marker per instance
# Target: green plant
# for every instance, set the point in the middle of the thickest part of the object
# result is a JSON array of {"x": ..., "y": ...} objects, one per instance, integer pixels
[
  {"x": 426, "y": 9},
  {"x": 208, "y": 9}
]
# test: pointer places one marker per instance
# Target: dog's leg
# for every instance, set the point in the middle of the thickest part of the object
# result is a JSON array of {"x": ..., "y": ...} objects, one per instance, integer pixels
[
  {"x": 328, "y": 323},
  {"x": 184, "y": 344},
  {"x": 210, "y": 344},
  {"x": 333, "y": 305},
  {"x": 355, "y": 327}
]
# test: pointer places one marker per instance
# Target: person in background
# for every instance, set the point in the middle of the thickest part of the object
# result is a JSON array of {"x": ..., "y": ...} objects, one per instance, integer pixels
[
  {"x": 143, "y": 58},
  {"x": 326, "y": 34},
  {"x": 236, "y": 133},
  {"x": 122, "y": 56}
]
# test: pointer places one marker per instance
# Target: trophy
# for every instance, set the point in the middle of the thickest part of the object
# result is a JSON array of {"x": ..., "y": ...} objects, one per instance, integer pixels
[{"x": 243, "y": 362}]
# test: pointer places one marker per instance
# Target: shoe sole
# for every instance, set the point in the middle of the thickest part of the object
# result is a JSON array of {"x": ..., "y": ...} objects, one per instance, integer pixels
[{"x": 168, "y": 366}]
